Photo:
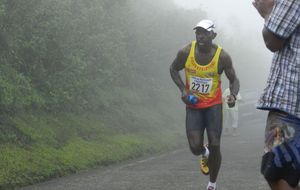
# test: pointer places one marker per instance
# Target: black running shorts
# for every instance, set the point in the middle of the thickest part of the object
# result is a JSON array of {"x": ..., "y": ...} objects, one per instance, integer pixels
[{"x": 210, "y": 119}]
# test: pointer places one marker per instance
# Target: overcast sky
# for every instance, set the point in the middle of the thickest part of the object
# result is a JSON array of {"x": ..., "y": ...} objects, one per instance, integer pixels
[{"x": 229, "y": 14}]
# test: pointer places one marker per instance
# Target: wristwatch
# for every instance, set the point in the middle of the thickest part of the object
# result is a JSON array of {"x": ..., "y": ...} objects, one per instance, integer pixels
[{"x": 234, "y": 96}]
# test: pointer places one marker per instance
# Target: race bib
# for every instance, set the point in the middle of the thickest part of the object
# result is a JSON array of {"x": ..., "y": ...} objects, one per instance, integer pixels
[{"x": 201, "y": 85}]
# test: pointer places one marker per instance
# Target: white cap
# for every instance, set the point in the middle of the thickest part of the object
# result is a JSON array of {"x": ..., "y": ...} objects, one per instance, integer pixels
[{"x": 206, "y": 24}]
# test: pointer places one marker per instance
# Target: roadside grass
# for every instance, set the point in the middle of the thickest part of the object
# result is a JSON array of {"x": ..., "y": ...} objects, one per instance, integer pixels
[{"x": 58, "y": 145}]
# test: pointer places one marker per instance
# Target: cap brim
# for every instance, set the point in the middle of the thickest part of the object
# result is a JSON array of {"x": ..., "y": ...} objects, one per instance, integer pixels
[{"x": 209, "y": 29}]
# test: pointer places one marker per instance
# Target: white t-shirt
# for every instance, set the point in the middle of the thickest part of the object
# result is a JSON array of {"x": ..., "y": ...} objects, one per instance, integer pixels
[{"x": 224, "y": 96}]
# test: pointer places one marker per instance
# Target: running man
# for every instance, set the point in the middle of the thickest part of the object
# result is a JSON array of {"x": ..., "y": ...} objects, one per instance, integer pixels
[
  {"x": 204, "y": 62},
  {"x": 281, "y": 97}
]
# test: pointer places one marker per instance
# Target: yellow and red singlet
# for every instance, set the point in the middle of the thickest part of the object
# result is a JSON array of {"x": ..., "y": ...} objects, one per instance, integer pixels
[{"x": 203, "y": 80}]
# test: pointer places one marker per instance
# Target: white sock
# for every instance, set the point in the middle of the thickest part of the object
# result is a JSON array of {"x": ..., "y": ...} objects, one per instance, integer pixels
[
  {"x": 214, "y": 185},
  {"x": 206, "y": 152}
]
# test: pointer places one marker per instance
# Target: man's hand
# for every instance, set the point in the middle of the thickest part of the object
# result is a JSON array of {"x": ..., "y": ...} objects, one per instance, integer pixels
[
  {"x": 184, "y": 96},
  {"x": 264, "y": 7},
  {"x": 231, "y": 101}
]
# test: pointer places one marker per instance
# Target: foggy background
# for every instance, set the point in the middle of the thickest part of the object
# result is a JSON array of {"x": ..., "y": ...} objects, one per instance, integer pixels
[
  {"x": 87, "y": 83},
  {"x": 238, "y": 26}
]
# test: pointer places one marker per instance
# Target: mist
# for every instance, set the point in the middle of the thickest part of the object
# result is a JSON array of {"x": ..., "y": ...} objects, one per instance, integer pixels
[
  {"x": 232, "y": 16},
  {"x": 87, "y": 83},
  {"x": 239, "y": 27}
]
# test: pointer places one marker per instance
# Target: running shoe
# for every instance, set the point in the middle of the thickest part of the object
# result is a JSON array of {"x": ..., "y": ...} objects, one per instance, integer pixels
[{"x": 204, "y": 165}]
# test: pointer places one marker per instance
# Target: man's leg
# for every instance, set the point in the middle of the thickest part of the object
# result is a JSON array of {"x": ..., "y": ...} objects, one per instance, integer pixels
[
  {"x": 214, "y": 162},
  {"x": 214, "y": 131},
  {"x": 195, "y": 130},
  {"x": 195, "y": 138},
  {"x": 282, "y": 185}
]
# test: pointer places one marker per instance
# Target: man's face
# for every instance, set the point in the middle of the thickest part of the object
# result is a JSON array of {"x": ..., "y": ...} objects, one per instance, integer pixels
[{"x": 204, "y": 37}]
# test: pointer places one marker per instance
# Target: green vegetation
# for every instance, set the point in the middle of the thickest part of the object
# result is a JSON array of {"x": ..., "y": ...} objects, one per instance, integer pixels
[
  {"x": 53, "y": 146},
  {"x": 82, "y": 85},
  {"x": 86, "y": 84}
]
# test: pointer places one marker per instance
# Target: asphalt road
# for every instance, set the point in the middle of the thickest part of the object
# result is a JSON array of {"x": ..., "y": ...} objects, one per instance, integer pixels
[{"x": 177, "y": 170}]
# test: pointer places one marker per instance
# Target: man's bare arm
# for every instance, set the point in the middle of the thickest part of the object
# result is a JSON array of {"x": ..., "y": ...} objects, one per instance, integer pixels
[
  {"x": 273, "y": 42},
  {"x": 178, "y": 65},
  {"x": 234, "y": 83}
]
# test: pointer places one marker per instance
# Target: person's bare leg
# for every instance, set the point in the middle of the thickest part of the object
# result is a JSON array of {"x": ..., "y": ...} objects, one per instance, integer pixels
[
  {"x": 195, "y": 139},
  {"x": 214, "y": 162},
  {"x": 214, "y": 131},
  {"x": 215, "y": 157},
  {"x": 282, "y": 185}
]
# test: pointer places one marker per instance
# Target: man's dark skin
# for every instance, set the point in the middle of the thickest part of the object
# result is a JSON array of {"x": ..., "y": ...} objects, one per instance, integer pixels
[
  {"x": 272, "y": 42},
  {"x": 208, "y": 49}
]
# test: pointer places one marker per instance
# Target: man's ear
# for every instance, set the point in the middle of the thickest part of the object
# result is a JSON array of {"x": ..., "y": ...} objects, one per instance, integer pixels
[{"x": 214, "y": 35}]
